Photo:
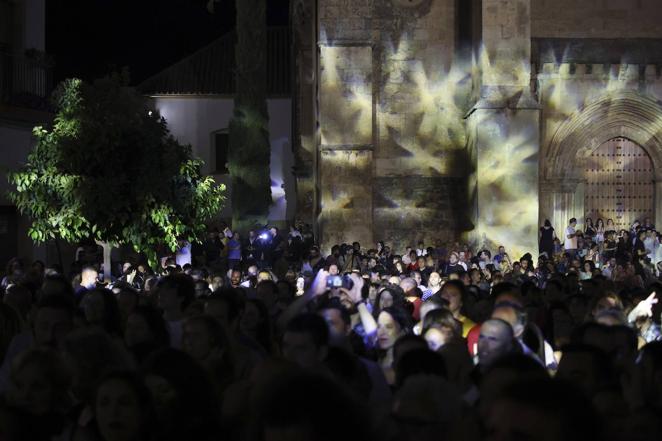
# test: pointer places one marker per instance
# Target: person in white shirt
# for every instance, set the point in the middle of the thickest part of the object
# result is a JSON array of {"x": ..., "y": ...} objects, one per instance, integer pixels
[
  {"x": 651, "y": 244},
  {"x": 570, "y": 236}
]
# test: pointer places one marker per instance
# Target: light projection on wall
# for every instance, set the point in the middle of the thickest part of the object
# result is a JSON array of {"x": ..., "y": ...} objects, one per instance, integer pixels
[
  {"x": 397, "y": 151},
  {"x": 406, "y": 118},
  {"x": 585, "y": 106}
]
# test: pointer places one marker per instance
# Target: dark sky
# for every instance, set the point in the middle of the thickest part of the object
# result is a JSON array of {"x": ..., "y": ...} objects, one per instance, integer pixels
[{"x": 90, "y": 38}]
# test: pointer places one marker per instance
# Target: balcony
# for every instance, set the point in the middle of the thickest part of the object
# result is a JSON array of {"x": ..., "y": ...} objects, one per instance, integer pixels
[{"x": 25, "y": 81}]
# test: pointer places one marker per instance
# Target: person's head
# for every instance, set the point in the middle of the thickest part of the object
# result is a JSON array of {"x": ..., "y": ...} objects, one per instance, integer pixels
[
  {"x": 264, "y": 276},
  {"x": 92, "y": 353},
  {"x": 39, "y": 382},
  {"x": 19, "y": 298},
  {"x": 572, "y": 222},
  {"x": 586, "y": 366},
  {"x": 392, "y": 323},
  {"x": 127, "y": 299},
  {"x": 496, "y": 340},
  {"x": 513, "y": 314},
  {"x": 268, "y": 292},
  {"x": 273, "y": 231},
  {"x": 175, "y": 292},
  {"x": 333, "y": 270},
  {"x": 88, "y": 277},
  {"x": 203, "y": 337},
  {"x": 338, "y": 320},
  {"x": 100, "y": 309},
  {"x": 408, "y": 284},
  {"x": 453, "y": 258},
  {"x": 235, "y": 278},
  {"x": 53, "y": 320},
  {"x": 305, "y": 405},
  {"x": 434, "y": 280},
  {"x": 255, "y": 317},
  {"x": 599, "y": 223},
  {"x": 417, "y": 362},
  {"x": 542, "y": 409},
  {"x": 453, "y": 292},
  {"x": 306, "y": 340},
  {"x": 387, "y": 297},
  {"x": 182, "y": 393},
  {"x": 429, "y": 305},
  {"x": 226, "y": 305},
  {"x": 439, "y": 328},
  {"x": 606, "y": 301},
  {"x": 146, "y": 326},
  {"x": 123, "y": 407},
  {"x": 548, "y": 223}
]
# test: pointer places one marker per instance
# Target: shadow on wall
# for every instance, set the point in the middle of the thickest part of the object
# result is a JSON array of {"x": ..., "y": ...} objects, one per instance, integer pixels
[{"x": 429, "y": 208}]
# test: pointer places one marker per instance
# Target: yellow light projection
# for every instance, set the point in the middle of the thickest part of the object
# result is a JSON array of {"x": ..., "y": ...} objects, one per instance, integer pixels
[
  {"x": 345, "y": 95},
  {"x": 507, "y": 181}
]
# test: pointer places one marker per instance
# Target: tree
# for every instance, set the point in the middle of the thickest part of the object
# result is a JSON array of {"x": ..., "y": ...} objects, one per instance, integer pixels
[
  {"x": 250, "y": 151},
  {"x": 109, "y": 170}
]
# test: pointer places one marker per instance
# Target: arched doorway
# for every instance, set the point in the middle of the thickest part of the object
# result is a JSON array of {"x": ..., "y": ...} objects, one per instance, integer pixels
[
  {"x": 620, "y": 185},
  {"x": 620, "y": 115}
]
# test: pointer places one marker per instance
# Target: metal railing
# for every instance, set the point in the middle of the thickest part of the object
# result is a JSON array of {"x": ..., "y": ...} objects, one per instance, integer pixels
[{"x": 25, "y": 81}]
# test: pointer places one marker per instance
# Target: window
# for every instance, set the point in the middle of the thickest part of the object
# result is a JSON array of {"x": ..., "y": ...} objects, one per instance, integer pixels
[{"x": 220, "y": 152}]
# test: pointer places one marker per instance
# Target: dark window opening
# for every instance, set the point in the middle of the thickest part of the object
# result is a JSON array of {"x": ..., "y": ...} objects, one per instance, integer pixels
[{"x": 221, "y": 146}]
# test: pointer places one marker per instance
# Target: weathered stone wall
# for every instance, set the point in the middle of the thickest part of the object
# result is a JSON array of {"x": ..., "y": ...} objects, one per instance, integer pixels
[
  {"x": 413, "y": 208},
  {"x": 393, "y": 157},
  {"x": 584, "y": 105},
  {"x": 596, "y": 18},
  {"x": 404, "y": 115}
]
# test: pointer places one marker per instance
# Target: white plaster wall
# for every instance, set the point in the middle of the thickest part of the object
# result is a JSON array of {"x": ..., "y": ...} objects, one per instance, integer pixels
[{"x": 192, "y": 120}]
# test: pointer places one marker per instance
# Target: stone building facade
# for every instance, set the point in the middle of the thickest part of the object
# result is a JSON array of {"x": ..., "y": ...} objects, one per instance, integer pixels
[{"x": 475, "y": 119}]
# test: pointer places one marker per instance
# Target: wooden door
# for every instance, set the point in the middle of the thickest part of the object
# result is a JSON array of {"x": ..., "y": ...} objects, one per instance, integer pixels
[{"x": 619, "y": 178}]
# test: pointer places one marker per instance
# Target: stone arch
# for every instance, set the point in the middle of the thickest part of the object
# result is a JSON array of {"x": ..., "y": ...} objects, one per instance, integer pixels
[{"x": 627, "y": 114}]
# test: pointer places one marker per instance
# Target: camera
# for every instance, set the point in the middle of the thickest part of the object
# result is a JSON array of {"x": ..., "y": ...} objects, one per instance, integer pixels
[{"x": 339, "y": 282}]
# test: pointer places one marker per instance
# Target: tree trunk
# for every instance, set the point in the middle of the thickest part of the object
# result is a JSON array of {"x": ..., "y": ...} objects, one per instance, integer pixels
[
  {"x": 249, "y": 150},
  {"x": 107, "y": 248}
]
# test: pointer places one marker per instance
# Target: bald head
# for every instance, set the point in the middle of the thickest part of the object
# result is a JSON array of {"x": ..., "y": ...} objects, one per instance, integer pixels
[{"x": 496, "y": 340}]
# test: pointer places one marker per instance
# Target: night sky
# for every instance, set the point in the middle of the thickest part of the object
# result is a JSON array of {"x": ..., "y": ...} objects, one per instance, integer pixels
[{"x": 90, "y": 38}]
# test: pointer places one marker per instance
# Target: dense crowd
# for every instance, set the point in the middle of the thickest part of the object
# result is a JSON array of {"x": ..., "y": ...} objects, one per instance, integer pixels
[{"x": 265, "y": 338}]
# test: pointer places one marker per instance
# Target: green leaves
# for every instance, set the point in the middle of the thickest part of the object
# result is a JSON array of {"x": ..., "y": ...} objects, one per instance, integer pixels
[{"x": 107, "y": 170}]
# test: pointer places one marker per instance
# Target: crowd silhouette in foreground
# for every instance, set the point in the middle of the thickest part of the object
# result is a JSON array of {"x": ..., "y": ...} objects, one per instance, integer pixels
[{"x": 266, "y": 338}]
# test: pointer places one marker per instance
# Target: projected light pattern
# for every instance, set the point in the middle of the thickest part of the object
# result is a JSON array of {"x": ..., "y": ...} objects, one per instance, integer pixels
[
  {"x": 585, "y": 106},
  {"x": 398, "y": 100}
]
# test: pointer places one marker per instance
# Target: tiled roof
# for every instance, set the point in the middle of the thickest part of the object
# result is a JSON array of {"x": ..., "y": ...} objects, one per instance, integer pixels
[{"x": 210, "y": 70}]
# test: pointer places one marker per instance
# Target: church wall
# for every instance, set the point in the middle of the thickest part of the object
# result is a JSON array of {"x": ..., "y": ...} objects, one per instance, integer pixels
[
  {"x": 391, "y": 93},
  {"x": 596, "y": 19},
  {"x": 565, "y": 90}
]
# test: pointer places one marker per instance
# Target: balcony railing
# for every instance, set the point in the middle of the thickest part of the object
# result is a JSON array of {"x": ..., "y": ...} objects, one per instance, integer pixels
[{"x": 25, "y": 81}]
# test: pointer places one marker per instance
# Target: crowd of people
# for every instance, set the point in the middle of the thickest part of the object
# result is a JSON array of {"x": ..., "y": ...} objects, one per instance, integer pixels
[{"x": 266, "y": 338}]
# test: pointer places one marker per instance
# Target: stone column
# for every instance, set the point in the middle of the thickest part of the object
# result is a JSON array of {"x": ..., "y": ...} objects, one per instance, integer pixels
[
  {"x": 345, "y": 160},
  {"x": 658, "y": 203},
  {"x": 504, "y": 133},
  {"x": 560, "y": 201}
]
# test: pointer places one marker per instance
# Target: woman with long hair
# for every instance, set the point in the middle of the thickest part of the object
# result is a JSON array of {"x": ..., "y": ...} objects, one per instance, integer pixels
[
  {"x": 599, "y": 231},
  {"x": 589, "y": 229}
]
